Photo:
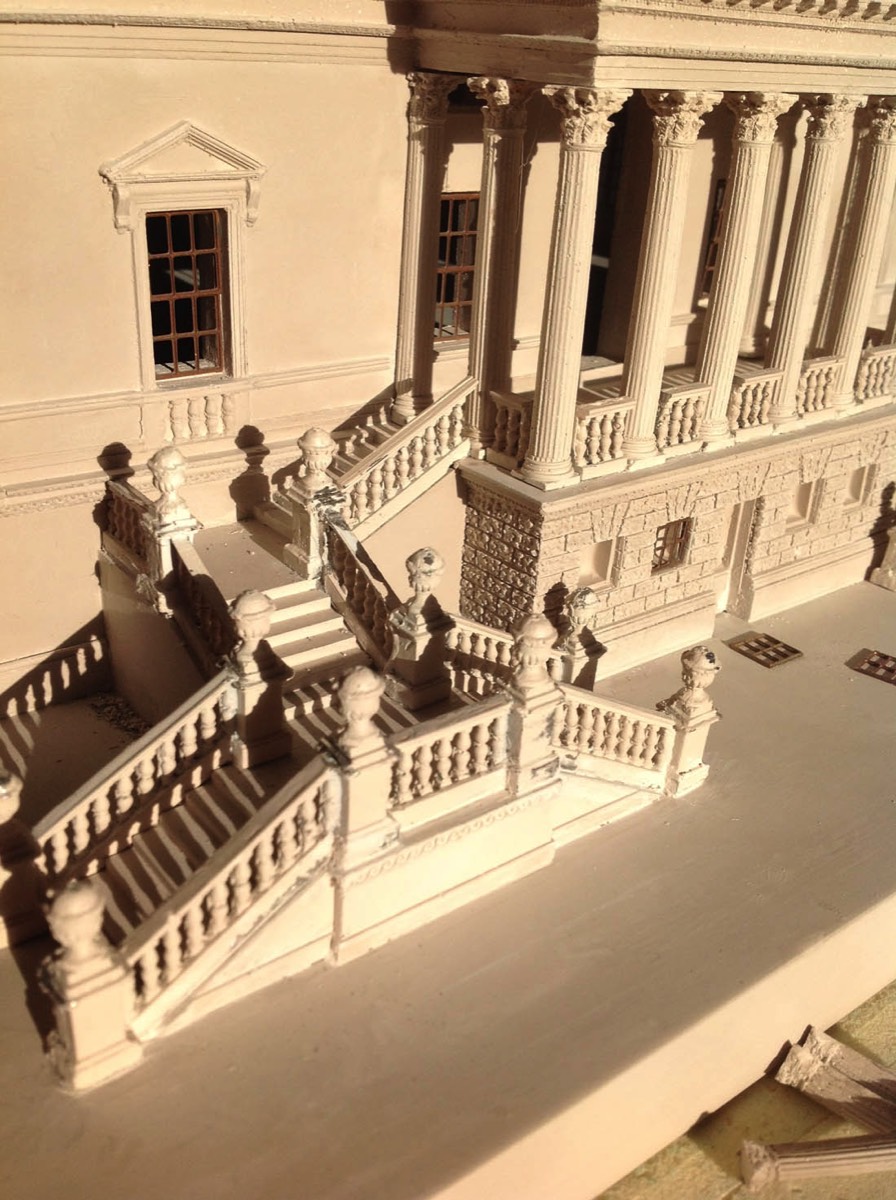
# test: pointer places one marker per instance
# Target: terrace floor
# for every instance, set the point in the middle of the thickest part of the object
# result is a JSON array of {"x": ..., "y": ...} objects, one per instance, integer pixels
[{"x": 543, "y": 1041}]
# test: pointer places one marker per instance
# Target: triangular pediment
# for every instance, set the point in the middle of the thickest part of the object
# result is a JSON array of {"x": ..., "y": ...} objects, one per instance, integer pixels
[{"x": 182, "y": 152}]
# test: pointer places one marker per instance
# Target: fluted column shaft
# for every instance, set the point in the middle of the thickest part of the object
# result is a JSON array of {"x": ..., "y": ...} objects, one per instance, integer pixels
[
  {"x": 427, "y": 111},
  {"x": 830, "y": 118},
  {"x": 755, "y": 124},
  {"x": 753, "y": 338},
  {"x": 875, "y": 196},
  {"x": 497, "y": 247},
  {"x": 676, "y": 124},
  {"x": 585, "y": 126}
]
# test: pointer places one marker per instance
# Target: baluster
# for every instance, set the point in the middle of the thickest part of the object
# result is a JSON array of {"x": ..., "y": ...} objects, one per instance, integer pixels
[
  {"x": 194, "y": 934},
  {"x": 166, "y": 758},
  {"x": 171, "y": 950},
  {"x": 265, "y": 862},
  {"x": 662, "y": 426},
  {"x": 196, "y": 416},
  {"x": 514, "y": 418},
  {"x": 460, "y": 756},
  {"x": 310, "y": 822},
  {"x": 123, "y": 794},
  {"x": 207, "y": 723},
  {"x": 179, "y": 420},
  {"x": 651, "y": 737},
  {"x": 429, "y": 446},
  {"x": 637, "y": 742},
  {"x": 618, "y": 434},
  {"x": 479, "y": 749},
  {"x": 402, "y": 466},
  {"x": 389, "y": 485},
  {"x": 498, "y": 740},
  {"x": 443, "y": 433},
  {"x": 375, "y": 488},
  {"x": 675, "y": 415},
  {"x": 358, "y": 497},
  {"x": 214, "y": 423},
  {"x": 579, "y": 451},
  {"x": 456, "y": 435},
  {"x": 187, "y": 740},
  {"x": 420, "y": 771},
  {"x": 623, "y": 736},
  {"x": 241, "y": 885},
  {"x": 586, "y": 728},
  {"x": 611, "y": 729},
  {"x": 150, "y": 974},
  {"x": 525, "y": 426},
  {"x": 285, "y": 839},
  {"x": 567, "y": 734},
  {"x": 594, "y": 440},
  {"x": 501, "y": 430},
  {"x": 664, "y": 750},
  {"x": 416, "y": 457},
  {"x": 402, "y": 789},
  {"x": 81, "y": 830},
  {"x": 217, "y": 910},
  {"x": 102, "y": 814},
  {"x": 689, "y": 429},
  {"x": 605, "y": 431},
  {"x": 59, "y": 849}
]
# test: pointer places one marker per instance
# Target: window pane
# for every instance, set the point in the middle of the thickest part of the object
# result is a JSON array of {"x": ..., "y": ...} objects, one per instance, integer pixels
[
  {"x": 163, "y": 356},
  {"x": 157, "y": 235},
  {"x": 185, "y": 353},
  {"x": 183, "y": 316},
  {"x": 161, "y": 317},
  {"x": 206, "y": 310},
  {"x": 208, "y": 350},
  {"x": 180, "y": 232},
  {"x": 159, "y": 277},
  {"x": 207, "y": 271},
  {"x": 204, "y": 230}
]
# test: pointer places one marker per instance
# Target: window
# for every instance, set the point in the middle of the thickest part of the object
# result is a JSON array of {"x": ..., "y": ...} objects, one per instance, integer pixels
[
  {"x": 187, "y": 291},
  {"x": 670, "y": 546},
  {"x": 596, "y": 564},
  {"x": 858, "y": 486},
  {"x": 803, "y": 503},
  {"x": 457, "y": 258}
]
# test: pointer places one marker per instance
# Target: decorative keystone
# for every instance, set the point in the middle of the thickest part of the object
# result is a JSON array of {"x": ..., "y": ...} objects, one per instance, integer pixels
[
  {"x": 10, "y": 795},
  {"x": 317, "y": 449},
  {"x": 168, "y": 469},
  {"x": 532, "y": 648},
  {"x": 76, "y": 919},
  {"x": 360, "y": 694},
  {"x": 581, "y": 613},
  {"x": 425, "y": 569},
  {"x": 252, "y": 612}
]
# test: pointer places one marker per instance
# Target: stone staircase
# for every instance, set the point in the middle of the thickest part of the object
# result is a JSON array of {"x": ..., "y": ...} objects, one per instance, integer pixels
[{"x": 364, "y": 440}]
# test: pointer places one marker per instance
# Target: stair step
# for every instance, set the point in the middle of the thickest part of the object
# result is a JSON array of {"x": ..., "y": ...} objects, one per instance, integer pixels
[
  {"x": 300, "y": 629},
  {"x": 299, "y": 604},
  {"x": 332, "y": 646},
  {"x": 284, "y": 593}
]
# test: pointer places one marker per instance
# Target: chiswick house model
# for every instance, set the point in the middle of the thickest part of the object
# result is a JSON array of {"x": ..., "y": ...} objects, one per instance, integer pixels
[{"x": 382, "y": 376}]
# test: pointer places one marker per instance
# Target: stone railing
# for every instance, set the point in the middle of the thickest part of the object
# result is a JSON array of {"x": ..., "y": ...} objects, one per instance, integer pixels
[
  {"x": 480, "y": 658},
  {"x": 680, "y": 414},
  {"x": 194, "y": 738},
  {"x": 191, "y": 418},
  {"x": 289, "y": 832},
  {"x": 432, "y": 437},
  {"x": 127, "y": 519},
  {"x": 513, "y": 417},
  {"x": 819, "y": 380},
  {"x": 202, "y": 601},
  {"x": 462, "y": 753},
  {"x": 752, "y": 400},
  {"x": 877, "y": 373},
  {"x": 368, "y": 599},
  {"x": 599, "y": 432},
  {"x": 616, "y": 732}
]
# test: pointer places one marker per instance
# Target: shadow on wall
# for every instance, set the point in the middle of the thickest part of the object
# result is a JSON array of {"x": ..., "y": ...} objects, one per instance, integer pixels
[{"x": 886, "y": 519}]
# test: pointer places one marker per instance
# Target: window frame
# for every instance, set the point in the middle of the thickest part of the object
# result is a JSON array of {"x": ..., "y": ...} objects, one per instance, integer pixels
[
  {"x": 681, "y": 541},
  {"x": 444, "y": 271}
]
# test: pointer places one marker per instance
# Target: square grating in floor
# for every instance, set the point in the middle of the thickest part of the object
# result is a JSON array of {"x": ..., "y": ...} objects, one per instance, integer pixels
[
  {"x": 764, "y": 649},
  {"x": 876, "y": 664}
]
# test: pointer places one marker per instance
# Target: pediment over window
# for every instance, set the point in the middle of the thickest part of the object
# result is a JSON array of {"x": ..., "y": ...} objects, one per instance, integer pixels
[{"x": 185, "y": 156}]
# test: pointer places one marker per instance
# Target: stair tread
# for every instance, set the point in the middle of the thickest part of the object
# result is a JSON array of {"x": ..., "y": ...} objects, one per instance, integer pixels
[{"x": 300, "y": 629}]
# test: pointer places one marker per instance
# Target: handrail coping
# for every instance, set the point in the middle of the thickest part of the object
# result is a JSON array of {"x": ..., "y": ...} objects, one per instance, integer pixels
[
  {"x": 458, "y": 718},
  {"x": 581, "y": 696},
  {"x": 822, "y": 361},
  {"x": 745, "y": 376},
  {"x": 406, "y": 434},
  {"x": 222, "y": 859},
  {"x": 131, "y": 493},
  {"x": 61, "y": 813}
]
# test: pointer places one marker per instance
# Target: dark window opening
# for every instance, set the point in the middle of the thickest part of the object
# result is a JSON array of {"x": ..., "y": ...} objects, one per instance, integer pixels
[
  {"x": 711, "y": 256},
  {"x": 604, "y": 224},
  {"x": 187, "y": 288},
  {"x": 670, "y": 545},
  {"x": 457, "y": 257}
]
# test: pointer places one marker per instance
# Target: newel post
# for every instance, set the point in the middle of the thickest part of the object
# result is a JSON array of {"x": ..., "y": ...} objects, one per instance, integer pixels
[
  {"x": 366, "y": 769},
  {"x": 309, "y": 496},
  {"x": 261, "y": 731},
  {"x": 693, "y": 712},
  {"x": 533, "y": 760},
  {"x": 418, "y": 673},
  {"x": 169, "y": 520},
  {"x": 21, "y": 883},
  {"x": 92, "y": 992}
]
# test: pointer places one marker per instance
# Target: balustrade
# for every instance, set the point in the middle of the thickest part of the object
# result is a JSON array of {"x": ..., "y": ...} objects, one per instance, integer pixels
[
  {"x": 203, "y": 601},
  {"x": 450, "y": 751},
  {"x": 681, "y": 411},
  {"x": 877, "y": 373},
  {"x": 194, "y": 735},
  {"x": 752, "y": 400},
  {"x": 513, "y": 423},
  {"x": 627, "y": 735},
  {"x": 427, "y": 440},
  {"x": 599, "y": 433},
  {"x": 481, "y": 658},
  {"x": 126, "y": 513},
  {"x": 818, "y": 385},
  {"x": 189, "y": 418},
  {"x": 284, "y": 831},
  {"x": 366, "y": 598}
]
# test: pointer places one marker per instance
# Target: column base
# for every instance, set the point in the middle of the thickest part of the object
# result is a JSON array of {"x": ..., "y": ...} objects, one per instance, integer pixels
[
  {"x": 843, "y": 404},
  {"x": 642, "y": 464},
  {"x": 783, "y": 421},
  {"x": 404, "y": 408},
  {"x": 541, "y": 476}
]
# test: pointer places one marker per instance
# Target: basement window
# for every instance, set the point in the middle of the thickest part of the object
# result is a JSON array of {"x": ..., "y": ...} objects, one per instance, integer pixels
[
  {"x": 188, "y": 292},
  {"x": 670, "y": 545},
  {"x": 458, "y": 217},
  {"x": 802, "y": 504},
  {"x": 596, "y": 564},
  {"x": 857, "y": 487}
]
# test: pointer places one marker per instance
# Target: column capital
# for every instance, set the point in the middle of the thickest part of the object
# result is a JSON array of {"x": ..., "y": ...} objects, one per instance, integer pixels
[
  {"x": 503, "y": 101},
  {"x": 585, "y": 114},
  {"x": 678, "y": 116},
  {"x": 830, "y": 116},
  {"x": 756, "y": 114},
  {"x": 882, "y": 119},
  {"x": 429, "y": 96}
]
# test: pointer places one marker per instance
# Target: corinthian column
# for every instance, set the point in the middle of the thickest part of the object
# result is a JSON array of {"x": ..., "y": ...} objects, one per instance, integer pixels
[
  {"x": 830, "y": 117},
  {"x": 755, "y": 124},
  {"x": 427, "y": 111},
  {"x": 585, "y": 125},
  {"x": 497, "y": 247},
  {"x": 676, "y": 123},
  {"x": 875, "y": 197}
]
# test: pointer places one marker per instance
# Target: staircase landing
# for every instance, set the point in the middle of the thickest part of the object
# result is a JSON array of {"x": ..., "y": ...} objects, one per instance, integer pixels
[{"x": 243, "y": 555}]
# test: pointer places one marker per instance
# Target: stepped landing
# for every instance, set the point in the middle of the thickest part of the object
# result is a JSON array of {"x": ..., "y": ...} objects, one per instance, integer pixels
[{"x": 546, "y": 1039}]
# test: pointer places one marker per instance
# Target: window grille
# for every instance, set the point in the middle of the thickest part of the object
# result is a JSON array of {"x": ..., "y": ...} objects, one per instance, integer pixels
[
  {"x": 457, "y": 256},
  {"x": 187, "y": 291},
  {"x": 670, "y": 545}
]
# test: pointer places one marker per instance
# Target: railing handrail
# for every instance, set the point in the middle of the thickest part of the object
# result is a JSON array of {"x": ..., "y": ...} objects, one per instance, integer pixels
[
  {"x": 130, "y": 493},
  {"x": 128, "y": 756},
  {"x": 407, "y": 433},
  {"x": 587, "y": 408},
  {"x": 219, "y": 864},
  {"x": 579, "y": 695},
  {"x": 456, "y": 720}
]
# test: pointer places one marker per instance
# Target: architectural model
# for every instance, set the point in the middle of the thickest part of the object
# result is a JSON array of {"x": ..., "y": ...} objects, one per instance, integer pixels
[{"x": 383, "y": 375}]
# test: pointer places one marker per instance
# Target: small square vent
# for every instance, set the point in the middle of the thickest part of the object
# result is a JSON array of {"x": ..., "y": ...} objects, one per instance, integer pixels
[
  {"x": 764, "y": 649},
  {"x": 876, "y": 664}
]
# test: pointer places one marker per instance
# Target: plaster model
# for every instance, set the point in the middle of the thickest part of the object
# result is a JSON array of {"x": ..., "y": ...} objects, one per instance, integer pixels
[{"x": 626, "y": 420}]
